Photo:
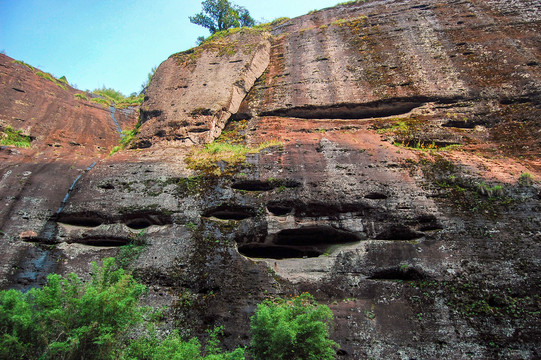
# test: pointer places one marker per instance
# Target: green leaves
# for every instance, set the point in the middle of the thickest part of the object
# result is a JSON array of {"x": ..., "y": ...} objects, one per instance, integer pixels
[
  {"x": 218, "y": 15},
  {"x": 69, "y": 319},
  {"x": 292, "y": 329}
]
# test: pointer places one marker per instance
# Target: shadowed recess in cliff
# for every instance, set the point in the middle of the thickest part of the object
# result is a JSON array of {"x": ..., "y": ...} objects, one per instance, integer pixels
[
  {"x": 375, "y": 109},
  {"x": 299, "y": 243},
  {"x": 81, "y": 220},
  {"x": 316, "y": 208},
  {"x": 230, "y": 212},
  {"x": 404, "y": 273},
  {"x": 102, "y": 241},
  {"x": 264, "y": 185}
]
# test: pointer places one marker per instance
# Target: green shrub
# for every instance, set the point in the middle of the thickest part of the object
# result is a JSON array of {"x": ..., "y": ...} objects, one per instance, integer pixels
[
  {"x": 291, "y": 330},
  {"x": 14, "y": 137},
  {"x": 68, "y": 319},
  {"x": 113, "y": 97},
  {"x": 80, "y": 96},
  {"x": 525, "y": 179},
  {"x": 127, "y": 137},
  {"x": 174, "y": 347}
]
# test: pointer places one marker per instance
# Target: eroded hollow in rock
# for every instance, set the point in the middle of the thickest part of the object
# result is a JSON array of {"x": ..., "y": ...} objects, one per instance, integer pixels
[
  {"x": 80, "y": 220},
  {"x": 376, "y": 196},
  {"x": 315, "y": 235},
  {"x": 230, "y": 212},
  {"x": 102, "y": 241},
  {"x": 398, "y": 273},
  {"x": 399, "y": 232},
  {"x": 299, "y": 243},
  {"x": 264, "y": 185},
  {"x": 143, "y": 220},
  {"x": 253, "y": 185},
  {"x": 375, "y": 109},
  {"x": 138, "y": 224},
  {"x": 279, "y": 209},
  {"x": 277, "y": 252}
]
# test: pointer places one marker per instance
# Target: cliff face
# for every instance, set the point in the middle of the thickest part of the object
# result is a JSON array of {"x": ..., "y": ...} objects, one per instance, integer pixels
[
  {"x": 401, "y": 188},
  {"x": 67, "y": 134}
]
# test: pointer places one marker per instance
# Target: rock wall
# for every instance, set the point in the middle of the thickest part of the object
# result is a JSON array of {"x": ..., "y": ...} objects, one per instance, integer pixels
[
  {"x": 193, "y": 94},
  {"x": 402, "y": 187}
]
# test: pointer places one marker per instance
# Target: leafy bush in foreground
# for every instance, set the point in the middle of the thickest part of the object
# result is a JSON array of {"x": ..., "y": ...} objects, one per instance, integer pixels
[
  {"x": 292, "y": 330},
  {"x": 68, "y": 319}
]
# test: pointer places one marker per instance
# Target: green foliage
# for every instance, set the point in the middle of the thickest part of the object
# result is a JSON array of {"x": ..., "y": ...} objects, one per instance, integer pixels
[
  {"x": 68, "y": 319},
  {"x": 33, "y": 69},
  {"x": 127, "y": 137},
  {"x": 174, "y": 347},
  {"x": 109, "y": 96},
  {"x": 526, "y": 179},
  {"x": 209, "y": 157},
  {"x": 218, "y": 15},
  {"x": 80, "y": 96},
  {"x": 50, "y": 77},
  {"x": 292, "y": 329},
  {"x": 10, "y": 136},
  {"x": 150, "y": 75}
]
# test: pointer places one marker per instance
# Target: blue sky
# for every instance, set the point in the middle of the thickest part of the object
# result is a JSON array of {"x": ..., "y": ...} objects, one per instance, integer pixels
[{"x": 113, "y": 42}]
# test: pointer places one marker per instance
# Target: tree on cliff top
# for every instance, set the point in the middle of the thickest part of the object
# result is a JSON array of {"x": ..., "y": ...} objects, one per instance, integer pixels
[{"x": 218, "y": 15}]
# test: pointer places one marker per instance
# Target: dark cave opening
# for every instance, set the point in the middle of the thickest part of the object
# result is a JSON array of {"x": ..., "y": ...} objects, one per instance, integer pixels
[
  {"x": 398, "y": 273},
  {"x": 277, "y": 252},
  {"x": 230, "y": 212},
  {"x": 253, "y": 185},
  {"x": 315, "y": 235},
  {"x": 83, "y": 220},
  {"x": 399, "y": 232},
  {"x": 299, "y": 243},
  {"x": 102, "y": 241},
  {"x": 138, "y": 223}
]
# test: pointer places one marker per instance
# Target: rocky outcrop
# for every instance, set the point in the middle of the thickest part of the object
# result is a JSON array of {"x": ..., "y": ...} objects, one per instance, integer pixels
[
  {"x": 67, "y": 134},
  {"x": 402, "y": 187},
  {"x": 193, "y": 94}
]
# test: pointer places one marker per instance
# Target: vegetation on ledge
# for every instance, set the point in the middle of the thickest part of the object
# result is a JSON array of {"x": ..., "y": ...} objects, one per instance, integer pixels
[
  {"x": 110, "y": 97},
  {"x": 10, "y": 136}
]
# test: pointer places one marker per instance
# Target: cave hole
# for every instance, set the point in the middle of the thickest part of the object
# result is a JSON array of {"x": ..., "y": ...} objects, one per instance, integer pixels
[
  {"x": 399, "y": 232},
  {"x": 253, "y": 185},
  {"x": 279, "y": 210},
  {"x": 138, "y": 224},
  {"x": 376, "y": 196},
  {"x": 81, "y": 221},
  {"x": 230, "y": 212},
  {"x": 277, "y": 252},
  {"x": 103, "y": 242},
  {"x": 304, "y": 242},
  {"x": 315, "y": 235},
  {"x": 398, "y": 273}
]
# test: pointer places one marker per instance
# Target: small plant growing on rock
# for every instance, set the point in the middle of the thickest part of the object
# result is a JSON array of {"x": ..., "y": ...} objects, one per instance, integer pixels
[
  {"x": 10, "y": 136},
  {"x": 525, "y": 179},
  {"x": 297, "y": 328}
]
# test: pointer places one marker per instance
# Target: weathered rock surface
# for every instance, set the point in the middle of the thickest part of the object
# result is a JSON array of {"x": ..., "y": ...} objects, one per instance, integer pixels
[
  {"x": 193, "y": 94},
  {"x": 67, "y": 136},
  {"x": 420, "y": 249}
]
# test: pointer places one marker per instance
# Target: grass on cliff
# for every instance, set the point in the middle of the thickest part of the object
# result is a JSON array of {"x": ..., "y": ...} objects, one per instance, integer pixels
[
  {"x": 126, "y": 139},
  {"x": 10, "y": 136},
  {"x": 110, "y": 97},
  {"x": 61, "y": 83},
  {"x": 219, "y": 157}
]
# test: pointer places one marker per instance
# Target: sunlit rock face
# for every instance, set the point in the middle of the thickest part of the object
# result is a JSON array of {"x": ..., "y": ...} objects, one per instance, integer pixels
[{"x": 400, "y": 185}]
